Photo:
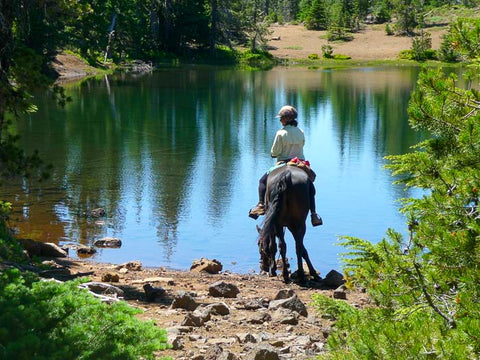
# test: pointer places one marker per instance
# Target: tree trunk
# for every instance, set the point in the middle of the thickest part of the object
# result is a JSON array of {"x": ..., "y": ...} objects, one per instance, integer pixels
[
  {"x": 6, "y": 46},
  {"x": 213, "y": 28}
]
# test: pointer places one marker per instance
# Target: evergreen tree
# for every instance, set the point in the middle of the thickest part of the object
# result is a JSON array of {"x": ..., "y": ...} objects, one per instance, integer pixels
[{"x": 317, "y": 18}]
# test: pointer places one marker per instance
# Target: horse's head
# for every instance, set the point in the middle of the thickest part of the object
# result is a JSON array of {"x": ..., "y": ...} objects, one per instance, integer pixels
[{"x": 267, "y": 248}]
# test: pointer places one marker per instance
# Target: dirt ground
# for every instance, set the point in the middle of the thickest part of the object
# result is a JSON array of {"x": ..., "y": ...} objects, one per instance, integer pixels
[
  {"x": 371, "y": 43},
  {"x": 237, "y": 332}
]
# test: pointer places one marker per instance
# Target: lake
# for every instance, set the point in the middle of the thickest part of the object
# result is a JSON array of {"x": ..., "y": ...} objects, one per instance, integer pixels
[{"x": 174, "y": 158}]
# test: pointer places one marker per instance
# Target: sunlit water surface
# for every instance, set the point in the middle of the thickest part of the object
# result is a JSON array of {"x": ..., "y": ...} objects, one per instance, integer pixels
[{"x": 174, "y": 157}]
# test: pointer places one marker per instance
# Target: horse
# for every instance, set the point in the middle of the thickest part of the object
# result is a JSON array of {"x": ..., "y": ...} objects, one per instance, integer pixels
[{"x": 287, "y": 204}]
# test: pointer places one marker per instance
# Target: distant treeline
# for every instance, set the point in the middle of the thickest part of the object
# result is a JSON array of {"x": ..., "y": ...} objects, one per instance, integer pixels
[{"x": 152, "y": 29}]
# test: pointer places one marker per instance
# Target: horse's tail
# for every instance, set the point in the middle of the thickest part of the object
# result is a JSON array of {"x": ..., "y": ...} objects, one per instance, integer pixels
[{"x": 267, "y": 232}]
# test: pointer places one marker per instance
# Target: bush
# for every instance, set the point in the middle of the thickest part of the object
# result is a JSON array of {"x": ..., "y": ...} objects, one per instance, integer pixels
[
  {"x": 341, "y": 57},
  {"x": 406, "y": 55},
  {"x": 257, "y": 59},
  {"x": 327, "y": 51},
  {"x": 339, "y": 34},
  {"x": 389, "y": 30},
  {"x": 313, "y": 57},
  {"x": 46, "y": 320}
]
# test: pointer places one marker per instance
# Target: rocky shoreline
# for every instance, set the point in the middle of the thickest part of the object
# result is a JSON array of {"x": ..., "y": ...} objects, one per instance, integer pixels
[{"x": 210, "y": 314}]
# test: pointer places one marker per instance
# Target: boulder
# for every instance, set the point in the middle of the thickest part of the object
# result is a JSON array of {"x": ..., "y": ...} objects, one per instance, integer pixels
[
  {"x": 197, "y": 318},
  {"x": 38, "y": 248},
  {"x": 184, "y": 300},
  {"x": 333, "y": 279},
  {"x": 83, "y": 250},
  {"x": 260, "y": 318},
  {"x": 285, "y": 316},
  {"x": 110, "y": 277},
  {"x": 284, "y": 294},
  {"x": 205, "y": 265},
  {"x": 108, "y": 242},
  {"x": 153, "y": 294},
  {"x": 219, "y": 309},
  {"x": 131, "y": 265},
  {"x": 262, "y": 352},
  {"x": 223, "y": 289},
  {"x": 293, "y": 303}
]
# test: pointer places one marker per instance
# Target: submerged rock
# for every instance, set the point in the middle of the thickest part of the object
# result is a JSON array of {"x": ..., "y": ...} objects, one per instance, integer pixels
[{"x": 108, "y": 242}]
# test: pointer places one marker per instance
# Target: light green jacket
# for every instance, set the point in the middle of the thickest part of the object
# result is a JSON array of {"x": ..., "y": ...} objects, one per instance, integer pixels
[{"x": 288, "y": 143}]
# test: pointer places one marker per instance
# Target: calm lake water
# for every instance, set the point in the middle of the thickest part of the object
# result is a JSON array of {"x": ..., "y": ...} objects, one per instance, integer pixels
[{"x": 174, "y": 157}]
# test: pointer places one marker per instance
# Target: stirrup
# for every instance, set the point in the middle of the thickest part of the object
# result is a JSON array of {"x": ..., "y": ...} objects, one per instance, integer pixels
[
  {"x": 316, "y": 220},
  {"x": 258, "y": 210}
]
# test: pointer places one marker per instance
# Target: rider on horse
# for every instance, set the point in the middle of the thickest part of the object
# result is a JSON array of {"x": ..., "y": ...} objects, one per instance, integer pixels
[{"x": 288, "y": 145}]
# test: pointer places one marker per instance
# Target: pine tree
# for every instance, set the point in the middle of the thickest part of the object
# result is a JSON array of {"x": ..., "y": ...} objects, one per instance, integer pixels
[{"x": 317, "y": 18}]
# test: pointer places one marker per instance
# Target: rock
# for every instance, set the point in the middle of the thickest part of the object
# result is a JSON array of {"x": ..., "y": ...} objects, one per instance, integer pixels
[
  {"x": 131, "y": 265},
  {"x": 219, "y": 309},
  {"x": 284, "y": 294},
  {"x": 178, "y": 330},
  {"x": 96, "y": 213},
  {"x": 197, "y": 318},
  {"x": 255, "y": 304},
  {"x": 184, "y": 300},
  {"x": 205, "y": 265},
  {"x": 216, "y": 352},
  {"x": 103, "y": 289},
  {"x": 38, "y": 248},
  {"x": 108, "y": 242},
  {"x": 244, "y": 338},
  {"x": 285, "y": 316},
  {"x": 260, "y": 318},
  {"x": 85, "y": 250},
  {"x": 223, "y": 289},
  {"x": 262, "y": 352},
  {"x": 293, "y": 303},
  {"x": 153, "y": 294},
  {"x": 303, "y": 341},
  {"x": 333, "y": 279},
  {"x": 339, "y": 294},
  {"x": 176, "y": 341},
  {"x": 110, "y": 277}
]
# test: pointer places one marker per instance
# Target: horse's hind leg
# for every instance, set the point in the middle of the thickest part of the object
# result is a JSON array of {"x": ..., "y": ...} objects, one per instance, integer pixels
[
  {"x": 298, "y": 234},
  {"x": 283, "y": 252}
]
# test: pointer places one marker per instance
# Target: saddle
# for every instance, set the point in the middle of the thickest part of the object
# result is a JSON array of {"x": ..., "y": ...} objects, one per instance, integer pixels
[{"x": 305, "y": 166}]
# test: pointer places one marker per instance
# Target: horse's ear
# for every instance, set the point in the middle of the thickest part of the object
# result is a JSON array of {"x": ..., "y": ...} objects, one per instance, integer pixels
[{"x": 259, "y": 229}]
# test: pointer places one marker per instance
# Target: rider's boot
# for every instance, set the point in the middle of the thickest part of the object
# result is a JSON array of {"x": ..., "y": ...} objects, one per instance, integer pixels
[
  {"x": 316, "y": 220},
  {"x": 258, "y": 210}
]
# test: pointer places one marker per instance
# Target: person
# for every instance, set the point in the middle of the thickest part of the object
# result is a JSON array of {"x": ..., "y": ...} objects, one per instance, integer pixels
[{"x": 288, "y": 144}]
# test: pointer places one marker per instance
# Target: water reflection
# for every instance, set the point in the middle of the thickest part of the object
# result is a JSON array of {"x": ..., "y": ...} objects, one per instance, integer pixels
[{"x": 175, "y": 158}]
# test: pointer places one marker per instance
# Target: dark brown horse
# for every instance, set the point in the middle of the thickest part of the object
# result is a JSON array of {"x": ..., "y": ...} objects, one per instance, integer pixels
[{"x": 287, "y": 203}]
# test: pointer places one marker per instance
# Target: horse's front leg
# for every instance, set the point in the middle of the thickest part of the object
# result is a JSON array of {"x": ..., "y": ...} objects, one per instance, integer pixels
[
  {"x": 311, "y": 269},
  {"x": 272, "y": 271},
  {"x": 283, "y": 252}
]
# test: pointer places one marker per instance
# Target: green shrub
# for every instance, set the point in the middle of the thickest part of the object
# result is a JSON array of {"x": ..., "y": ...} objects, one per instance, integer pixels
[
  {"x": 313, "y": 57},
  {"x": 405, "y": 55},
  {"x": 339, "y": 34},
  {"x": 257, "y": 59},
  {"x": 46, "y": 320},
  {"x": 341, "y": 57},
  {"x": 327, "y": 51},
  {"x": 389, "y": 31}
]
